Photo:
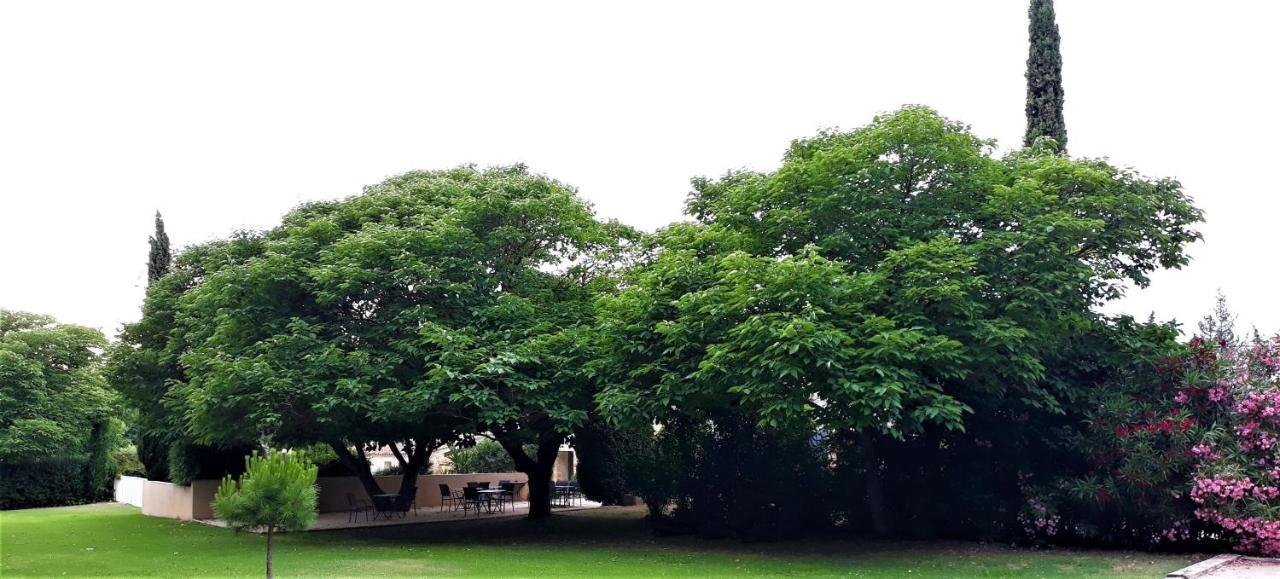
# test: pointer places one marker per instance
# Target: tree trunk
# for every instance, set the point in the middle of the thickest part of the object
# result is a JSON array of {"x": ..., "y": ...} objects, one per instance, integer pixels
[
  {"x": 269, "y": 572},
  {"x": 538, "y": 469},
  {"x": 359, "y": 467},
  {"x": 875, "y": 493},
  {"x": 409, "y": 473}
]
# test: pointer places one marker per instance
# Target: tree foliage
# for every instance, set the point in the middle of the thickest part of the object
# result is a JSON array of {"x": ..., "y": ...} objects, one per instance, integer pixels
[
  {"x": 485, "y": 456},
  {"x": 894, "y": 280},
  {"x": 52, "y": 393},
  {"x": 434, "y": 305}
]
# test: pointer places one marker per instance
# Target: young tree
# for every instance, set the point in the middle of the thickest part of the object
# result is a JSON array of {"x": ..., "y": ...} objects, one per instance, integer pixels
[
  {"x": 1220, "y": 325},
  {"x": 1044, "y": 78},
  {"x": 276, "y": 493}
]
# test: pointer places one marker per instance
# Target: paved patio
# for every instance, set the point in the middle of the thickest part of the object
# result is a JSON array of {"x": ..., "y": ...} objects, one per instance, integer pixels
[{"x": 342, "y": 520}]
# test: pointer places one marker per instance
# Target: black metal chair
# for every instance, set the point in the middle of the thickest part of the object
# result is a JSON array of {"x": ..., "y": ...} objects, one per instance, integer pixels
[
  {"x": 413, "y": 500},
  {"x": 560, "y": 493},
  {"x": 355, "y": 507},
  {"x": 452, "y": 499},
  {"x": 508, "y": 494},
  {"x": 471, "y": 499}
]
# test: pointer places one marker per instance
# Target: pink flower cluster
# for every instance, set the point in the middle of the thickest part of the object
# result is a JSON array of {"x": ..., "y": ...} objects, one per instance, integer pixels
[
  {"x": 1257, "y": 535},
  {"x": 1228, "y": 488},
  {"x": 1037, "y": 520},
  {"x": 1180, "y": 531},
  {"x": 1205, "y": 451},
  {"x": 1263, "y": 405},
  {"x": 1267, "y": 354}
]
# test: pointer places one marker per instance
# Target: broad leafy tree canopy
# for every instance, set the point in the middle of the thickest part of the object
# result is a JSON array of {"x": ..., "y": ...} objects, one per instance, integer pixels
[
  {"x": 432, "y": 304},
  {"x": 51, "y": 386},
  {"x": 883, "y": 278}
]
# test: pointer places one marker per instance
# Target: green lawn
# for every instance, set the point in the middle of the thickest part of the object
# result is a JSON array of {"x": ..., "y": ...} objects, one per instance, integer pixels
[{"x": 118, "y": 540}]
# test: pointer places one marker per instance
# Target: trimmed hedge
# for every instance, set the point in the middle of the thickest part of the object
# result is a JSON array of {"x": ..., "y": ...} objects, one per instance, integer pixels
[
  {"x": 47, "y": 482},
  {"x": 188, "y": 462}
]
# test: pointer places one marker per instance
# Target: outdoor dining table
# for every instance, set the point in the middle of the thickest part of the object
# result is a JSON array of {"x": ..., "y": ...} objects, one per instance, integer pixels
[
  {"x": 490, "y": 495},
  {"x": 385, "y": 505}
]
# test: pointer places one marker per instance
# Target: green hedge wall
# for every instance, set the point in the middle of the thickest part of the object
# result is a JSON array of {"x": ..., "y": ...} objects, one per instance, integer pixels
[{"x": 47, "y": 482}]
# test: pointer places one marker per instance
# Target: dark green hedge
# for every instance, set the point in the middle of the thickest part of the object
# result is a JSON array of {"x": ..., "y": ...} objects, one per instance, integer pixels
[
  {"x": 188, "y": 462},
  {"x": 47, "y": 482}
]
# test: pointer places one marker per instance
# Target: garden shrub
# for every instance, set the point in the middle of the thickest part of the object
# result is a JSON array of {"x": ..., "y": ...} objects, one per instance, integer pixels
[
  {"x": 100, "y": 467},
  {"x": 653, "y": 465},
  {"x": 325, "y": 460},
  {"x": 127, "y": 462},
  {"x": 485, "y": 456},
  {"x": 189, "y": 462},
  {"x": 1184, "y": 457},
  {"x": 1236, "y": 485},
  {"x": 48, "y": 482},
  {"x": 600, "y": 468}
]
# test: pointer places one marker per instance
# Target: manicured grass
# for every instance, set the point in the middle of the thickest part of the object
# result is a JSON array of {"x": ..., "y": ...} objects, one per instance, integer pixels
[{"x": 118, "y": 540}]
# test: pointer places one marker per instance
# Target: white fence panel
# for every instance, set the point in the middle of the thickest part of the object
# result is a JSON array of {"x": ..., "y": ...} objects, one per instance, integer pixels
[{"x": 129, "y": 490}]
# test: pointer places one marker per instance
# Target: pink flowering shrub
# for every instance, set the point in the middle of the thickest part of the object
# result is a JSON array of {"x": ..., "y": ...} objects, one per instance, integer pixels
[
  {"x": 1236, "y": 484},
  {"x": 1183, "y": 456}
]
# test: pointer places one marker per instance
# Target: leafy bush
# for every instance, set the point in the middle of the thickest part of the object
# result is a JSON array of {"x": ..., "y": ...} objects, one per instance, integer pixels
[
  {"x": 188, "y": 462},
  {"x": 653, "y": 466},
  {"x": 485, "y": 456},
  {"x": 600, "y": 461},
  {"x": 395, "y": 470},
  {"x": 100, "y": 469},
  {"x": 48, "y": 482},
  {"x": 127, "y": 462}
]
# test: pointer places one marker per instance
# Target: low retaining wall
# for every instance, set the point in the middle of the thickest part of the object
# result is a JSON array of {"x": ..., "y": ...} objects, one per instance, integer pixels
[
  {"x": 334, "y": 490},
  {"x": 162, "y": 499}
]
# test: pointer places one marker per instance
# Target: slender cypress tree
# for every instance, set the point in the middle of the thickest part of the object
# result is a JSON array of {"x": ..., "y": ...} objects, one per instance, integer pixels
[
  {"x": 153, "y": 450},
  {"x": 1044, "y": 77},
  {"x": 158, "y": 260}
]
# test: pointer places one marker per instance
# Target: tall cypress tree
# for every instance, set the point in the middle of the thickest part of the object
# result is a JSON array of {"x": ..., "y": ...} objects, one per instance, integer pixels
[
  {"x": 153, "y": 450},
  {"x": 158, "y": 260},
  {"x": 1044, "y": 77}
]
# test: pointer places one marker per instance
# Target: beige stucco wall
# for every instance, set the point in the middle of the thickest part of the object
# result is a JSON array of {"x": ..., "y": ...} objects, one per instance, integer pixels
[
  {"x": 333, "y": 490},
  {"x": 162, "y": 499}
]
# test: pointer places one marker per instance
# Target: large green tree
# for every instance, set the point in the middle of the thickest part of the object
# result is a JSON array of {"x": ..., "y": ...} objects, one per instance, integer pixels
[
  {"x": 1044, "y": 77},
  {"x": 434, "y": 305},
  {"x": 54, "y": 402},
  {"x": 889, "y": 283},
  {"x": 51, "y": 386}
]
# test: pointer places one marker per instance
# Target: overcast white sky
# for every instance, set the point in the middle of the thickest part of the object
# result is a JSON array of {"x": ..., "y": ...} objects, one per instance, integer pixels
[{"x": 223, "y": 115}]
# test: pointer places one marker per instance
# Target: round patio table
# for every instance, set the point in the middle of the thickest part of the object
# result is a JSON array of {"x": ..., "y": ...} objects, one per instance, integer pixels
[
  {"x": 384, "y": 505},
  {"x": 489, "y": 495}
]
